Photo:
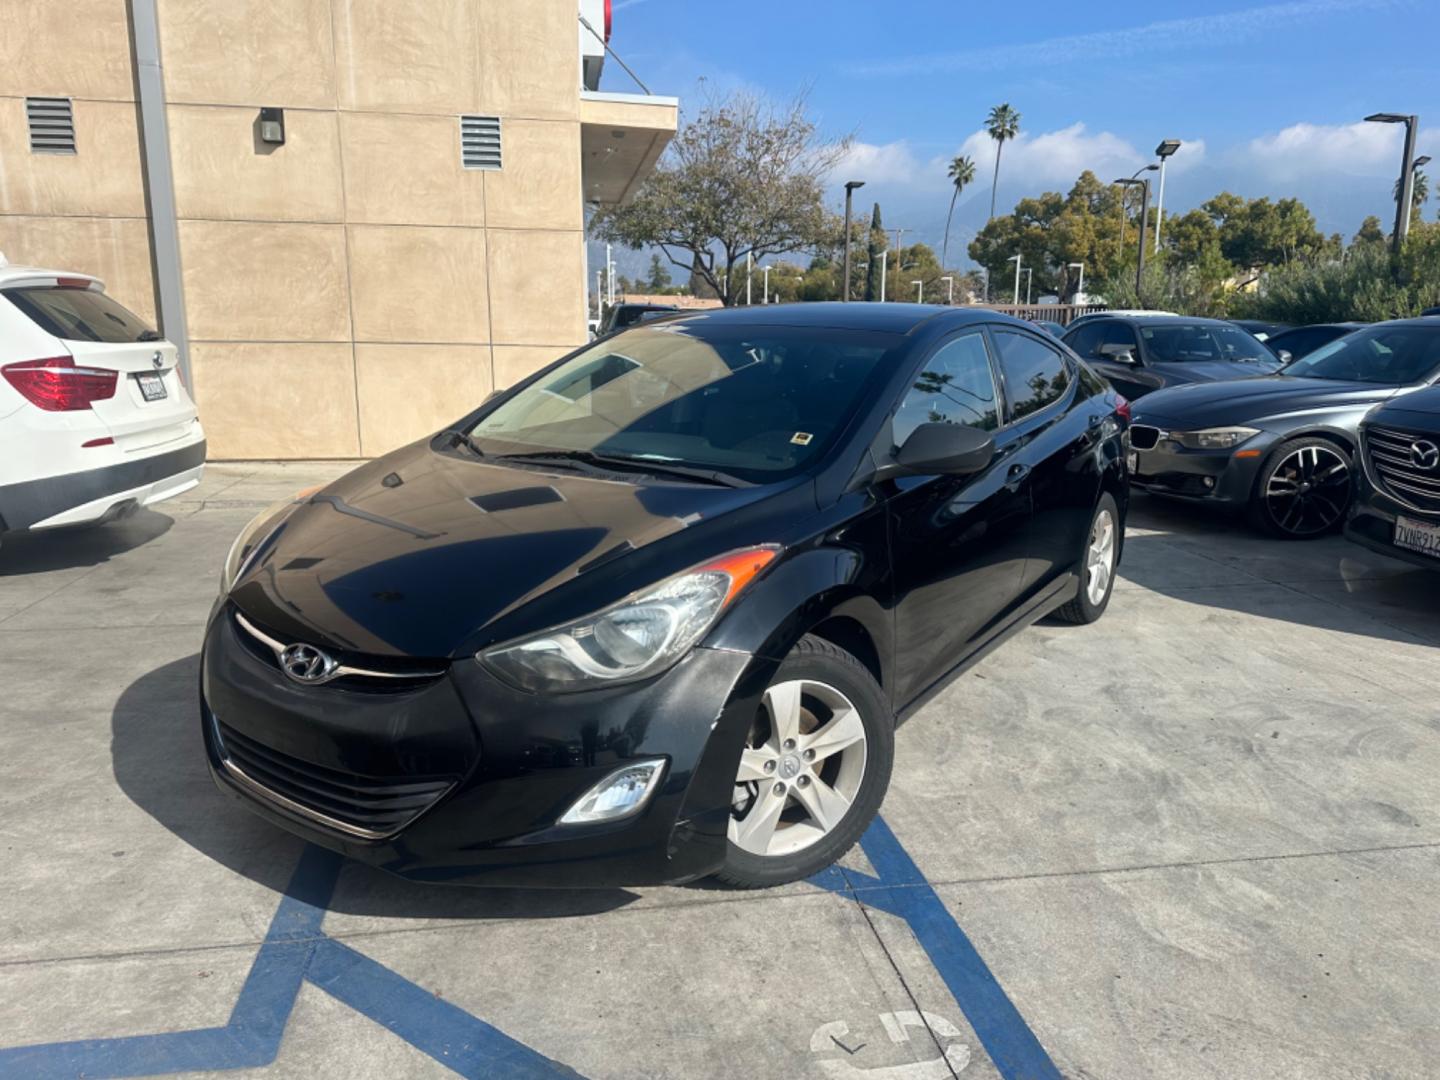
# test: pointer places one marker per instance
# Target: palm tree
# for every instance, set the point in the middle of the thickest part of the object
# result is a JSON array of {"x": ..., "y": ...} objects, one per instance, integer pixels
[
  {"x": 1419, "y": 191},
  {"x": 1002, "y": 123},
  {"x": 962, "y": 172}
]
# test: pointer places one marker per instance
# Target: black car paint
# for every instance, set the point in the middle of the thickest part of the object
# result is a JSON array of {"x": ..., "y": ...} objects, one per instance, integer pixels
[
  {"x": 1372, "y": 515},
  {"x": 1146, "y": 375},
  {"x": 398, "y": 563},
  {"x": 1300, "y": 341}
]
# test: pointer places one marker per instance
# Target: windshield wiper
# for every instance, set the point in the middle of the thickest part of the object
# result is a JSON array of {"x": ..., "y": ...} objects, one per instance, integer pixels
[
  {"x": 592, "y": 462},
  {"x": 460, "y": 438}
]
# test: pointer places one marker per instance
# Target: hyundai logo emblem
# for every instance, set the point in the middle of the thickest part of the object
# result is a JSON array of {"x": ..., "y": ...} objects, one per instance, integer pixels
[
  {"x": 1424, "y": 454},
  {"x": 306, "y": 664},
  {"x": 158, "y": 361}
]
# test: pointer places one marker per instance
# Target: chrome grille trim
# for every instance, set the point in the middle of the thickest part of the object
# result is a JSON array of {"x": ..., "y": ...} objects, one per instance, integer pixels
[
  {"x": 341, "y": 670},
  {"x": 1145, "y": 437},
  {"x": 1388, "y": 465}
]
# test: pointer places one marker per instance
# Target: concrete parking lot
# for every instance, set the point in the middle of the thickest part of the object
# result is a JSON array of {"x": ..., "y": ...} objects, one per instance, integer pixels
[{"x": 1198, "y": 839}]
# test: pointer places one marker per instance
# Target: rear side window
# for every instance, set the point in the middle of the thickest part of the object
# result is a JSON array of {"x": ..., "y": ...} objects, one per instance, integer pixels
[
  {"x": 955, "y": 386},
  {"x": 1035, "y": 374},
  {"x": 1086, "y": 339},
  {"x": 79, "y": 314}
]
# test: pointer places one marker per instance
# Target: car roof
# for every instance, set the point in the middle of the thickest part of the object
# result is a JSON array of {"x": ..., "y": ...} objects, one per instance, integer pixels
[
  {"x": 1174, "y": 320},
  {"x": 890, "y": 318}
]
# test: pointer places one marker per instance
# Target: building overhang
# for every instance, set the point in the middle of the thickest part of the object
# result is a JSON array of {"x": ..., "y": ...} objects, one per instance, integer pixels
[{"x": 621, "y": 138}]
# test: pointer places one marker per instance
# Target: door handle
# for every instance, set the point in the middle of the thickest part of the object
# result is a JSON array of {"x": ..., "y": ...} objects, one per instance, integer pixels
[{"x": 1016, "y": 476}]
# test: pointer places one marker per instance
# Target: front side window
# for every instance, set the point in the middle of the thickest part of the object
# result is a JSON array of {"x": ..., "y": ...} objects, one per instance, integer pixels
[
  {"x": 1085, "y": 340},
  {"x": 1392, "y": 355},
  {"x": 955, "y": 386},
  {"x": 1180, "y": 343},
  {"x": 79, "y": 314},
  {"x": 758, "y": 402},
  {"x": 1035, "y": 374}
]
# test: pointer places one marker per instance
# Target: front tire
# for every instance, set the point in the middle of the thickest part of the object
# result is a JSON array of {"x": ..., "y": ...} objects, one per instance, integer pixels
[
  {"x": 1303, "y": 490},
  {"x": 814, "y": 769},
  {"x": 1097, "y": 565}
]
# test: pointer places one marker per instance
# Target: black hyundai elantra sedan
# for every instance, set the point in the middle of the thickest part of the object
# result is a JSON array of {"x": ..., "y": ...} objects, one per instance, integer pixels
[
  {"x": 1281, "y": 448},
  {"x": 653, "y": 613}
]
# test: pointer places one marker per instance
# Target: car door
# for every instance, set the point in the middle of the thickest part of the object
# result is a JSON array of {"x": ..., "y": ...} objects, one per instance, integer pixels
[
  {"x": 1133, "y": 380},
  {"x": 958, "y": 544},
  {"x": 1056, "y": 429}
]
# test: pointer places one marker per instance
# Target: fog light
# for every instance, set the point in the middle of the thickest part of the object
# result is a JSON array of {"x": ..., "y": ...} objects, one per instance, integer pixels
[
  {"x": 1209, "y": 481},
  {"x": 619, "y": 795}
]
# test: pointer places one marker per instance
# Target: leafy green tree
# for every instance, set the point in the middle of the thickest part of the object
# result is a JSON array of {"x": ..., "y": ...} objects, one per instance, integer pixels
[
  {"x": 1419, "y": 191},
  {"x": 1257, "y": 233},
  {"x": 659, "y": 280},
  {"x": 1371, "y": 232},
  {"x": 1001, "y": 124},
  {"x": 740, "y": 179},
  {"x": 961, "y": 173},
  {"x": 875, "y": 252}
]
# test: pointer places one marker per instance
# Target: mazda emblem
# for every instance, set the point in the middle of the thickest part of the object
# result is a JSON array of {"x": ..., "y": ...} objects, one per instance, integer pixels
[
  {"x": 306, "y": 664},
  {"x": 1424, "y": 454}
]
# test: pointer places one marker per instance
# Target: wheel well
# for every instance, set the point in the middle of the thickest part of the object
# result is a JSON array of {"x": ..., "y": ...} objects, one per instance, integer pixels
[
  {"x": 851, "y": 635},
  {"x": 1329, "y": 436}
]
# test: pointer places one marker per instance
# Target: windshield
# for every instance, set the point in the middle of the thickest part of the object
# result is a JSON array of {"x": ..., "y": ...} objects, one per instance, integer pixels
[
  {"x": 758, "y": 403},
  {"x": 1393, "y": 355},
  {"x": 1198, "y": 343}
]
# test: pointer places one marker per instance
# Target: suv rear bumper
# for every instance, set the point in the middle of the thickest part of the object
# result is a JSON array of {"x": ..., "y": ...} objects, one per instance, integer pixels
[{"x": 93, "y": 494}]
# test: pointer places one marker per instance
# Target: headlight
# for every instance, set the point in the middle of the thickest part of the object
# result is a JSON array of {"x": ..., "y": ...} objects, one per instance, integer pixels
[
  {"x": 251, "y": 535},
  {"x": 634, "y": 639},
  {"x": 1220, "y": 438}
]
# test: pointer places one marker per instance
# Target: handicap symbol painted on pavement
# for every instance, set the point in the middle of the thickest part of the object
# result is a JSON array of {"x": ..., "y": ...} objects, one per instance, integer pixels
[
  {"x": 297, "y": 950},
  {"x": 835, "y": 1036}
]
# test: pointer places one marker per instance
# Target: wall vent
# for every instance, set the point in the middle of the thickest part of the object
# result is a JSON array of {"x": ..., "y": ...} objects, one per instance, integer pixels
[
  {"x": 480, "y": 142},
  {"x": 52, "y": 125}
]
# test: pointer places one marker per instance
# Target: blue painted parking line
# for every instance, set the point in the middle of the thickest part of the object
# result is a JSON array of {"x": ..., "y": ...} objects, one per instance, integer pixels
[
  {"x": 295, "y": 950},
  {"x": 900, "y": 889}
]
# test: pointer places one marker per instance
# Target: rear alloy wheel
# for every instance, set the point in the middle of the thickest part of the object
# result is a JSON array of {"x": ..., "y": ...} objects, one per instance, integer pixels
[
  {"x": 813, "y": 771},
  {"x": 1097, "y": 565},
  {"x": 1304, "y": 490}
]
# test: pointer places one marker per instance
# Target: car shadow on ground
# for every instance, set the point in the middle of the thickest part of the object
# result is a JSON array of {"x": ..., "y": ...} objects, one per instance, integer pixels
[
  {"x": 73, "y": 546},
  {"x": 1196, "y": 555},
  {"x": 158, "y": 757}
]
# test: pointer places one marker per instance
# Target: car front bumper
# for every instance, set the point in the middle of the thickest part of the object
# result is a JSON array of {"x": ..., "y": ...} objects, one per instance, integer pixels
[
  {"x": 1211, "y": 476},
  {"x": 1371, "y": 524},
  {"x": 460, "y": 778}
]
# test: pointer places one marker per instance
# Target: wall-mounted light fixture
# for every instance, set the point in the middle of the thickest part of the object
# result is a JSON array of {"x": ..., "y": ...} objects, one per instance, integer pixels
[{"x": 271, "y": 126}]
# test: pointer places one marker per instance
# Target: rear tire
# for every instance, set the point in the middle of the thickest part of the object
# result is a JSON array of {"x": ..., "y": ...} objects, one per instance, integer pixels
[
  {"x": 1098, "y": 560},
  {"x": 814, "y": 770},
  {"x": 1303, "y": 490}
]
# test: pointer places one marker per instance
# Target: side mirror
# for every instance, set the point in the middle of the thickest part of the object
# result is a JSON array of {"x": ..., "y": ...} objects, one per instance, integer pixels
[
  {"x": 1284, "y": 355},
  {"x": 1121, "y": 354},
  {"x": 951, "y": 449}
]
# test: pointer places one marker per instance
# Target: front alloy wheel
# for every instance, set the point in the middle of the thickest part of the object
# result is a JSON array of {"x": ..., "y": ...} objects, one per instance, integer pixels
[
  {"x": 1304, "y": 490},
  {"x": 813, "y": 770}
]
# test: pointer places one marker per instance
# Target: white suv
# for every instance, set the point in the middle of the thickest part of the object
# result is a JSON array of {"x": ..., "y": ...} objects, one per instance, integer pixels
[{"x": 94, "y": 418}]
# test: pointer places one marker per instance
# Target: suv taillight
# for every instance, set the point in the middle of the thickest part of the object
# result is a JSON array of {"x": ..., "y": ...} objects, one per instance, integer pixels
[{"x": 57, "y": 385}]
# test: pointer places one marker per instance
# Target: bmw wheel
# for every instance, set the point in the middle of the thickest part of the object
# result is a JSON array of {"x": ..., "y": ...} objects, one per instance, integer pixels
[
  {"x": 1303, "y": 490},
  {"x": 813, "y": 771}
]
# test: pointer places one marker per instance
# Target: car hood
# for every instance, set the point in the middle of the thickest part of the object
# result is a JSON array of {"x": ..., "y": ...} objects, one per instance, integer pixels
[
  {"x": 1418, "y": 409},
  {"x": 1246, "y": 401},
  {"x": 419, "y": 552}
]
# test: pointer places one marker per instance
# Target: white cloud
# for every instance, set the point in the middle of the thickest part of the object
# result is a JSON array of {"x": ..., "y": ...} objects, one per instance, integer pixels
[
  {"x": 1310, "y": 151},
  {"x": 1226, "y": 28},
  {"x": 889, "y": 163}
]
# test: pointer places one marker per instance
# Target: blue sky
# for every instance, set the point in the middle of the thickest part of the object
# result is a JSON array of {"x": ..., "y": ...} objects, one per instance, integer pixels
[{"x": 1268, "y": 97}]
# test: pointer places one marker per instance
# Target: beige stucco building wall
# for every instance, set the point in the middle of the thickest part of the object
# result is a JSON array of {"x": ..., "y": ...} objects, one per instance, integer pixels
[{"x": 355, "y": 288}]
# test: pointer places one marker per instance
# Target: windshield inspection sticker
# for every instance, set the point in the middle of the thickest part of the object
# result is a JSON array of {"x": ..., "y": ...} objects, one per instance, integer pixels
[
  {"x": 861, "y": 1058},
  {"x": 802, "y": 438}
]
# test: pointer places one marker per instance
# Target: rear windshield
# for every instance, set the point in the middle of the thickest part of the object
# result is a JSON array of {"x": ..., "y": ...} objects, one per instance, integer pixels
[
  {"x": 1198, "y": 343},
  {"x": 754, "y": 402},
  {"x": 1394, "y": 355},
  {"x": 79, "y": 314}
]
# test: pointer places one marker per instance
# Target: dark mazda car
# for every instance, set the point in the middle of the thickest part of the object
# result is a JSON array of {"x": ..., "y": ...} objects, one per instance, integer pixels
[
  {"x": 652, "y": 613},
  {"x": 1139, "y": 354},
  {"x": 1281, "y": 448},
  {"x": 1397, "y": 504},
  {"x": 1300, "y": 341}
]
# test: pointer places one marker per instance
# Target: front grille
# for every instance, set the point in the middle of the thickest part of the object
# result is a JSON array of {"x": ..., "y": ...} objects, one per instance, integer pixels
[
  {"x": 369, "y": 807},
  {"x": 356, "y": 672},
  {"x": 1143, "y": 436},
  {"x": 1395, "y": 471}
]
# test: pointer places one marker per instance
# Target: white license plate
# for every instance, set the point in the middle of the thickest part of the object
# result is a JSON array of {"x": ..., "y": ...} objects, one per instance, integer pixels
[
  {"x": 152, "y": 386},
  {"x": 1418, "y": 536},
  {"x": 1132, "y": 461}
]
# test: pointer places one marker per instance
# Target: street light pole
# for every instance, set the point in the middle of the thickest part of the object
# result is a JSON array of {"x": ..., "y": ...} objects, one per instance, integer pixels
[
  {"x": 1079, "y": 289},
  {"x": 1124, "y": 193},
  {"x": 1016, "y": 259},
  {"x": 884, "y": 265},
  {"x": 749, "y": 266},
  {"x": 1029, "y": 277},
  {"x": 766, "y": 271},
  {"x": 949, "y": 289},
  {"x": 919, "y": 291},
  {"x": 850, "y": 186},
  {"x": 1163, "y": 151},
  {"x": 1407, "y": 173}
]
